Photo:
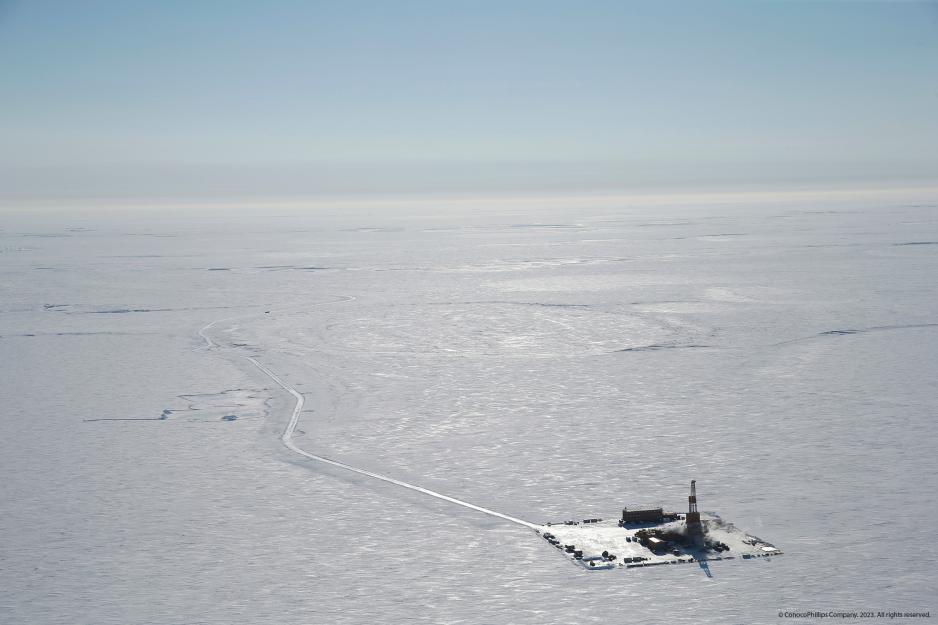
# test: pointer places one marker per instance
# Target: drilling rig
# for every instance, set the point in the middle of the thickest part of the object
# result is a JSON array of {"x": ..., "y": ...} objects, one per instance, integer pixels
[{"x": 692, "y": 520}]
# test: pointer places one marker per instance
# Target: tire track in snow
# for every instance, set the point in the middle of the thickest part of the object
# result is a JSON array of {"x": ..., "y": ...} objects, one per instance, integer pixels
[
  {"x": 209, "y": 343},
  {"x": 852, "y": 331},
  {"x": 287, "y": 439}
]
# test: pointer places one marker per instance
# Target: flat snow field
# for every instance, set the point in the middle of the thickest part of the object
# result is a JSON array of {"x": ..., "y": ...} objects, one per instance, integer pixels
[{"x": 186, "y": 394}]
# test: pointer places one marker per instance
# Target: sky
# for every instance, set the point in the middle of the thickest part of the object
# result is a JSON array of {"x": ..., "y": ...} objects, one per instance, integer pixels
[{"x": 129, "y": 98}]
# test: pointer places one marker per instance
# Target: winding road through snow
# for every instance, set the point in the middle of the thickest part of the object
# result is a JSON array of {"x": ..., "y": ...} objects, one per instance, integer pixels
[{"x": 287, "y": 439}]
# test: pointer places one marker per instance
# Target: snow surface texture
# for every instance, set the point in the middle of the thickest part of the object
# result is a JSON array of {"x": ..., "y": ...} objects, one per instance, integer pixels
[{"x": 542, "y": 364}]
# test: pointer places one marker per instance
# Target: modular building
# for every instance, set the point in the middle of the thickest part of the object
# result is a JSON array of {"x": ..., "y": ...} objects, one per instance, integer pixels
[{"x": 642, "y": 515}]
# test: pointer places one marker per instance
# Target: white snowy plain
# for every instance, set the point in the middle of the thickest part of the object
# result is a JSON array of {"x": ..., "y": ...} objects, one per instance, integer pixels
[{"x": 537, "y": 362}]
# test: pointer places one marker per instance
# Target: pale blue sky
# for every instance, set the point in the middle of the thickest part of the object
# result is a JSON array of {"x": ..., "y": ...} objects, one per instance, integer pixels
[{"x": 236, "y": 98}]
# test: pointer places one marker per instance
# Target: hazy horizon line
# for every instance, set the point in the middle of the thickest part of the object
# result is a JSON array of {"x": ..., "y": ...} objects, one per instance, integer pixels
[{"x": 598, "y": 197}]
